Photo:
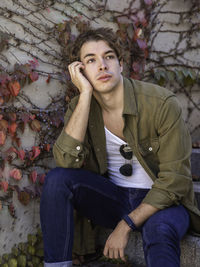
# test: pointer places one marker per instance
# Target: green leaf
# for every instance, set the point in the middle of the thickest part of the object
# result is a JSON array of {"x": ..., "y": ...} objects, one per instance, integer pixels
[
  {"x": 185, "y": 72},
  {"x": 179, "y": 76},
  {"x": 192, "y": 74},
  {"x": 170, "y": 75}
]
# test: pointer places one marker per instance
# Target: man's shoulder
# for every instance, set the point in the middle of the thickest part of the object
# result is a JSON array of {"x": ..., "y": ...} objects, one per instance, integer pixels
[{"x": 151, "y": 90}]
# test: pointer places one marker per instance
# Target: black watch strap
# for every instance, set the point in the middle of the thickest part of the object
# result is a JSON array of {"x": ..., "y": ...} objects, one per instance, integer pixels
[{"x": 130, "y": 223}]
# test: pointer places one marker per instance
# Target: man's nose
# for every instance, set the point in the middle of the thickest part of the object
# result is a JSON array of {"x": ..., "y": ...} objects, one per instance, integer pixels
[{"x": 102, "y": 65}]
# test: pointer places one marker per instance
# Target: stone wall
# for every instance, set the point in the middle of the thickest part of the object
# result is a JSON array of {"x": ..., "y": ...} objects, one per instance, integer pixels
[{"x": 31, "y": 27}]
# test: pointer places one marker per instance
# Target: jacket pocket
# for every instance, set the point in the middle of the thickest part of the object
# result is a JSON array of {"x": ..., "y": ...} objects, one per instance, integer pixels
[{"x": 149, "y": 147}]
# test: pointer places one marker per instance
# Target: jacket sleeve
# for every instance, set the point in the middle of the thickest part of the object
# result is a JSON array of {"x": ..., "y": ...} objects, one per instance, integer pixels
[
  {"x": 173, "y": 181},
  {"x": 69, "y": 152}
]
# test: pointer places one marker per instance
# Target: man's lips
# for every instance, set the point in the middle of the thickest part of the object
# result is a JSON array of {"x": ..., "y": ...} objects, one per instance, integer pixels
[{"x": 104, "y": 77}]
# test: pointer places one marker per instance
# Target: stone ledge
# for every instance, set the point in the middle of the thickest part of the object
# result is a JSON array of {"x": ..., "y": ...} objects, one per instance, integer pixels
[{"x": 190, "y": 249}]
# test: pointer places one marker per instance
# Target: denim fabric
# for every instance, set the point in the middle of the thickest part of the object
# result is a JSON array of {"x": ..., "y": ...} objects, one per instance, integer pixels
[
  {"x": 59, "y": 264},
  {"x": 104, "y": 203}
]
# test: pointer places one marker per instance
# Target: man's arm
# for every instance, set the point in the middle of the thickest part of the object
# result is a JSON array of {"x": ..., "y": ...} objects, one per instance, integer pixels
[
  {"x": 117, "y": 241},
  {"x": 69, "y": 150},
  {"x": 77, "y": 125}
]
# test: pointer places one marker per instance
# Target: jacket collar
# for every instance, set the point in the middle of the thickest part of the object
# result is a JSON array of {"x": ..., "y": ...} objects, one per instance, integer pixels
[{"x": 130, "y": 105}]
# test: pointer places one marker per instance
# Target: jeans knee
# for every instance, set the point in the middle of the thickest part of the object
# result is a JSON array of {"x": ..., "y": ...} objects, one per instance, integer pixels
[
  {"x": 159, "y": 233},
  {"x": 56, "y": 181}
]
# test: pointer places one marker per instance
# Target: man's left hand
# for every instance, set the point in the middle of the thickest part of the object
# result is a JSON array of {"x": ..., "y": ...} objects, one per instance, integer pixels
[{"x": 117, "y": 241}]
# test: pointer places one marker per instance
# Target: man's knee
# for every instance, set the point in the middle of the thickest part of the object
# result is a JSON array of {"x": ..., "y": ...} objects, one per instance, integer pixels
[
  {"x": 159, "y": 233},
  {"x": 57, "y": 181}
]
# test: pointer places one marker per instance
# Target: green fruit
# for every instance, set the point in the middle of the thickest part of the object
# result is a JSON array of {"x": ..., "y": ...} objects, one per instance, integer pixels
[
  {"x": 31, "y": 250},
  {"x": 22, "y": 247},
  {"x": 15, "y": 251},
  {"x": 21, "y": 260},
  {"x": 32, "y": 239},
  {"x": 35, "y": 260},
  {"x": 30, "y": 264},
  {"x": 39, "y": 232},
  {"x": 12, "y": 263},
  {"x": 5, "y": 257},
  {"x": 39, "y": 253}
]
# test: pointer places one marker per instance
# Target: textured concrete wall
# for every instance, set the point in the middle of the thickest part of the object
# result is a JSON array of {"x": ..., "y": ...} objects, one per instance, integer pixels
[{"x": 33, "y": 26}]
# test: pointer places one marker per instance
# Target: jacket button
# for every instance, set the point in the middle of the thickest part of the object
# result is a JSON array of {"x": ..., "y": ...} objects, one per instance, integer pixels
[
  {"x": 150, "y": 148},
  {"x": 78, "y": 148}
]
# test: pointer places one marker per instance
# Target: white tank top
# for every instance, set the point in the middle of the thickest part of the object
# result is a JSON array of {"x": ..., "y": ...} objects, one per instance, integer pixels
[{"x": 139, "y": 177}]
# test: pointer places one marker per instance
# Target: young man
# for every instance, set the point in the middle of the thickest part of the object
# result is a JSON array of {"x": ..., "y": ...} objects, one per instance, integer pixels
[{"x": 123, "y": 159}]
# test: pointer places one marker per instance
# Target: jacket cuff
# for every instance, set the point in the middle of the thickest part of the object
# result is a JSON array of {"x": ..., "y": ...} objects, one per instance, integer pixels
[
  {"x": 68, "y": 144},
  {"x": 160, "y": 199}
]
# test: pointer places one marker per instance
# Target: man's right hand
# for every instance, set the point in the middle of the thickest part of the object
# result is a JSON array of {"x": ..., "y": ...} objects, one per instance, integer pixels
[{"x": 78, "y": 78}]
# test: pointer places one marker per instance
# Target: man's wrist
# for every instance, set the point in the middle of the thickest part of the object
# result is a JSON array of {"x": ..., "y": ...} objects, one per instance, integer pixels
[{"x": 129, "y": 222}]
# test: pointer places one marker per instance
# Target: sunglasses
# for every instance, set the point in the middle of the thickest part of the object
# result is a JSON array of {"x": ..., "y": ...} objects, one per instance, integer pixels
[{"x": 126, "y": 152}]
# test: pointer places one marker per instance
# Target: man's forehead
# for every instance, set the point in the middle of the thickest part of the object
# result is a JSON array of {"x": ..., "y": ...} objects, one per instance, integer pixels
[{"x": 95, "y": 47}]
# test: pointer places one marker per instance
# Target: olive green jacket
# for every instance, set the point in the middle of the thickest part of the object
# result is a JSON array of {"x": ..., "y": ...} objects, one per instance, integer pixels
[{"x": 155, "y": 130}]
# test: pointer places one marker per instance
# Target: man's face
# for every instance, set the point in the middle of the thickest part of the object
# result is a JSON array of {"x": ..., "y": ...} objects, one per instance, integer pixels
[{"x": 102, "y": 67}]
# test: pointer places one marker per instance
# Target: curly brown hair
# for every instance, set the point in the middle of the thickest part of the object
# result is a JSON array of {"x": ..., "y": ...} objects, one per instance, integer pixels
[{"x": 99, "y": 34}]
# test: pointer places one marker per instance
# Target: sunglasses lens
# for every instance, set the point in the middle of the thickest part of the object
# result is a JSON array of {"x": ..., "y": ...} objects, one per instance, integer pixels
[
  {"x": 126, "y": 170},
  {"x": 126, "y": 152}
]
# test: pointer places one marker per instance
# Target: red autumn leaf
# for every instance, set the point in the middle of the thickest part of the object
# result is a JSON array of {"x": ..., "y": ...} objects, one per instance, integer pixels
[
  {"x": 11, "y": 209},
  {"x": 21, "y": 154},
  {"x": 48, "y": 79},
  {"x": 34, "y": 76},
  {"x": 16, "y": 174},
  {"x": 17, "y": 140},
  {"x": 33, "y": 176},
  {"x": 12, "y": 128},
  {"x": 47, "y": 147},
  {"x": 4, "y": 185},
  {"x": 35, "y": 125},
  {"x": 14, "y": 88},
  {"x": 32, "y": 116},
  {"x": 12, "y": 116},
  {"x": 142, "y": 44},
  {"x": 35, "y": 152},
  {"x": 41, "y": 177},
  {"x": 1, "y": 100},
  {"x": 3, "y": 125},
  {"x": 2, "y": 138},
  {"x": 24, "y": 197},
  {"x": 34, "y": 63},
  {"x": 136, "y": 66}
]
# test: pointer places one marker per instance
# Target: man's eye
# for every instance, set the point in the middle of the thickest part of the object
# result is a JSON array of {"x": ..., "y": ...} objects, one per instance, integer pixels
[
  {"x": 90, "y": 60},
  {"x": 110, "y": 57}
]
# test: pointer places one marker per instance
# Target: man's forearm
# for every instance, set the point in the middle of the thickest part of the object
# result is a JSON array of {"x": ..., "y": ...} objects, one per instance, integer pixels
[
  {"x": 142, "y": 213},
  {"x": 77, "y": 125}
]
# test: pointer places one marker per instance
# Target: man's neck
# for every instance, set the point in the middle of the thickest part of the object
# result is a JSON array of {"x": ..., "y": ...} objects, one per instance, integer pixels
[{"x": 113, "y": 100}]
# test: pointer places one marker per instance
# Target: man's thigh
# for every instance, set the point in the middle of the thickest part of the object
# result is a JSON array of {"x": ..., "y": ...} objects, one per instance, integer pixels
[{"x": 95, "y": 196}]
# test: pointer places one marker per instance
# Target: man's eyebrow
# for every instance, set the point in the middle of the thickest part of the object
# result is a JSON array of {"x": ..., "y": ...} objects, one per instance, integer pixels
[{"x": 91, "y": 54}]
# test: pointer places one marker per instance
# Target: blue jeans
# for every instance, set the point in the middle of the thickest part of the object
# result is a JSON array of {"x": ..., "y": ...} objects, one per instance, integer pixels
[{"x": 104, "y": 203}]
